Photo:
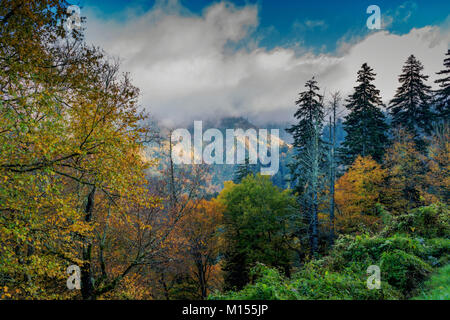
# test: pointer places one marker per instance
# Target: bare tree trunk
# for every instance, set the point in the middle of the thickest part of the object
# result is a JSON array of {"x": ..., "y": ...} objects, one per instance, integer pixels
[
  {"x": 332, "y": 182},
  {"x": 314, "y": 188},
  {"x": 164, "y": 284},
  {"x": 87, "y": 279},
  {"x": 335, "y": 103},
  {"x": 315, "y": 226},
  {"x": 202, "y": 278}
]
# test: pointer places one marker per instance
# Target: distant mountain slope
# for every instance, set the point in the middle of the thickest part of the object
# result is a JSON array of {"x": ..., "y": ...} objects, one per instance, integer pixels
[{"x": 225, "y": 172}]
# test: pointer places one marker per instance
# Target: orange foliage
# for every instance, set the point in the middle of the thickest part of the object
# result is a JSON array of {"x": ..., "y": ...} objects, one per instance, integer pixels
[
  {"x": 358, "y": 192},
  {"x": 199, "y": 232}
]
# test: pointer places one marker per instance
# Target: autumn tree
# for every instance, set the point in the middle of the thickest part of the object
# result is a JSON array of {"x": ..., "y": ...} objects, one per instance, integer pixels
[
  {"x": 358, "y": 195},
  {"x": 72, "y": 162},
  {"x": 438, "y": 175},
  {"x": 199, "y": 231},
  {"x": 406, "y": 167},
  {"x": 170, "y": 272}
]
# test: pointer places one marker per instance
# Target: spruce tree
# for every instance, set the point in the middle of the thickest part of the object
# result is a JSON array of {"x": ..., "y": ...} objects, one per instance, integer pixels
[
  {"x": 410, "y": 107},
  {"x": 365, "y": 124},
  {"x": 443, "y": 93},
  {"x": 309, "y": 113},
  {"x": 310, "y": 109},
  {"x": 243, "y": 170},
  {"x": 309, "y": 152}
]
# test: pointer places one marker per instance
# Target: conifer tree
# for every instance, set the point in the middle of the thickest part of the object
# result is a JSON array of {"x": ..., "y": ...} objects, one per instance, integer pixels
[
  {"x": 410, "y": 106},
  {"x": 310, "y": 150},
  {"x": 310, "y": 109},
  {"x": 243, "y": 170},
  {"x": 443, "y": 93},
  {"x": 309, "y": 114},
  {"x": 365, "y": 124}
]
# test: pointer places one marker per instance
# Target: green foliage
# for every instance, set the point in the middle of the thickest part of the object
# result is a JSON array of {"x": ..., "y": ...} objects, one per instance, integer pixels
[
  {"x": 269, "y": 284},
  {"x": 255, "y": 227},
  {"x": 311, "y": 283},
  {"x": 364, "y": 251},
  {"x": 437, "y": 251},
  {"x": 429, "y": 222},
  {"x": 438, "y": 286},
  {"x": 316, "y": 281},
  {"x": 405, "y": 263},
  {"x": 404, "y": 271}
]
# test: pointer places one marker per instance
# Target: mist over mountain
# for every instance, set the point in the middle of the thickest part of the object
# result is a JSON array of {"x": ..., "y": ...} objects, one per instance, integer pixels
[
  {"x": 220, "y": 173},
  {"x": 226, "y": 172}
]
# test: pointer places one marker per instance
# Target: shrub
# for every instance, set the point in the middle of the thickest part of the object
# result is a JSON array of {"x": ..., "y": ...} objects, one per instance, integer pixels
[
  {"x": 405, "y": 262},
  {"x": 321, "y": 284},
  {"x": 437, "y": 251},
  {"x": 364, "y": 251},
  {"x": 309, "y": 284},
  {"x": 403, "y": 271},
  {"x": 429, "y": 222},
  {"x": 268, "y": 284}
]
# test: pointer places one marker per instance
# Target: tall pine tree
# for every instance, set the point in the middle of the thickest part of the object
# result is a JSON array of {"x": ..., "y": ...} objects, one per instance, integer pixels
[
  {"x": 443, "y": 93},
  {"x": 410, "y": 107},
  {"x": 365, "y": 124},
  {"x": 309, "y": 152},
  {"x": 310, "y": 111},
  {"x": 243, "y": 170}
]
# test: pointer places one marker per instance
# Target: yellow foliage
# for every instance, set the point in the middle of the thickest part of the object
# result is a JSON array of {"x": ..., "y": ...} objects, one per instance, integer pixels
[{"x": 357, "y": 194}]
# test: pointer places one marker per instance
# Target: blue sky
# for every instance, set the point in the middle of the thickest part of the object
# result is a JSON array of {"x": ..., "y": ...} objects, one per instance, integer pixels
[
  {"x": 283, "y": 22},
  {"x": 197, "y": 59}
]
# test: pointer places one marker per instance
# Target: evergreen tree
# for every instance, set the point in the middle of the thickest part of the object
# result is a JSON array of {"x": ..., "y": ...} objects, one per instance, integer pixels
[
  {"x": 365, "y": 124},
  {"x": 309, "y": 114},
  {"x": 410, "y": 106},
  {"x": 243, "y": 170},
  {"x": 307, "y": 166},
  {"x": 443, "y": 93},
  {"x": 310, "y": 109}
]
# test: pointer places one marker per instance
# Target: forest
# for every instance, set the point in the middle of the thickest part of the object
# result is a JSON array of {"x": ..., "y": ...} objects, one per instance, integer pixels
[{"x": 79, "y": 187}]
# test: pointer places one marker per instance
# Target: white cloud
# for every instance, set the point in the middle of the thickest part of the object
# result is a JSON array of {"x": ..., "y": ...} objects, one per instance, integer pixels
[
  {"x": 310, "y": 24},
  {"x": 186, "y": 69},
  {"x": 406, "y": 10},
  {"x": 400, "y": 14}
]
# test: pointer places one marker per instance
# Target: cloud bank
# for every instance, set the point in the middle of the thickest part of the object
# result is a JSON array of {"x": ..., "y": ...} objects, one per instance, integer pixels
[{"x": 203, "y": 66}]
